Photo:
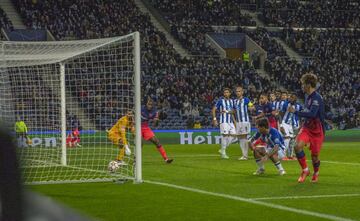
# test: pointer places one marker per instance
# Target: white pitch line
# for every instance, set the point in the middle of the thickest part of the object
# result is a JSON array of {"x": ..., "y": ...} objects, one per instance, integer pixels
[
  {"x": 307, "y": 197},
  {"x": 338, "y": 162},
  {"x": 252, "y": 201}
]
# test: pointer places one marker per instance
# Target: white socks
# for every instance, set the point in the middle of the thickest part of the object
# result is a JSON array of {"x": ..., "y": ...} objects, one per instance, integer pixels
[{"x": 244, "y": 146}]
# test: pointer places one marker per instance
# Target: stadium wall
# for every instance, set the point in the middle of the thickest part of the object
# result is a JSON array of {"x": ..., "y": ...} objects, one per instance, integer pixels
[{"x": 184, "y": 137}]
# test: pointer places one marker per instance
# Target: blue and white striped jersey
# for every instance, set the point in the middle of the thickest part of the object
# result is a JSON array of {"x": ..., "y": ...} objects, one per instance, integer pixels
[
  {"x": 272, "y": 139},
  {"x": 281, "y": 105},
  {"x": 224, "y": 106},
  {"x": 291, "y": 118},
  {"x": 241, "y": 109},
  {"x": 276, "y": 104}
]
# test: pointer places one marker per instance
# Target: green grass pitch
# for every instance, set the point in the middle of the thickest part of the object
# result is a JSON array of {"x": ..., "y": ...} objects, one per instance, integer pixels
[{"x": 209, "y": 188}]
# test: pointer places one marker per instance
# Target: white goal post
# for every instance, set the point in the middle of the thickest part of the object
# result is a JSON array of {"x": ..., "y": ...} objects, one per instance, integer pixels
[{"x": 69, "y": 94}]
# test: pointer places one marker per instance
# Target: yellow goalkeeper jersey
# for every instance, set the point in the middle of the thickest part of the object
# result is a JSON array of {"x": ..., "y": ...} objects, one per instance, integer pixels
[
  {"x": 20, "y": 127},
  {"x": 119, "y": 129}
]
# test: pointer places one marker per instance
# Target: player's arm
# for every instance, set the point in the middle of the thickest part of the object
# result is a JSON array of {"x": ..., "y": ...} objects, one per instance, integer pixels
[
  {"x": 156, "y": 119},
  {"x": 253, "y": 139},
  {"x": 214, "y": 120},
  {"x": 308, "y": 114},
  {"x": 262, "y": 114}
]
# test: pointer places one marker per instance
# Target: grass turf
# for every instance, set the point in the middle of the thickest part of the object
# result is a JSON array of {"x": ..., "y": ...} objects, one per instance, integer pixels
[{"x": 199, "y": 167}]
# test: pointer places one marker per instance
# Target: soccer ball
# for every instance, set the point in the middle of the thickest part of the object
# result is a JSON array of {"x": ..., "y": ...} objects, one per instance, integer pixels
[{"x": 113, "y": 166}]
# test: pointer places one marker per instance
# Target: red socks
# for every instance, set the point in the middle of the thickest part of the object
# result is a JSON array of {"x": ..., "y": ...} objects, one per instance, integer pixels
[
  {"x": 302, "y": 159},
  {"x": 162, "y": 152}
]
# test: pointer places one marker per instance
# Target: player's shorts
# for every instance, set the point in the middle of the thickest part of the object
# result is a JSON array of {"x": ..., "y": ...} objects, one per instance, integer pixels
[
  {"x": 281, "y": 152},
  {"x": 114, "y": 137},
  {"x": 288, "y": 129},
  {"x": 260, "y": 143},
  {"x": 146, "y": 132},
  {"x": 227, "y": 129},
  {"x": 315, "y": 139},
  {"x": 243, "y": 128}
]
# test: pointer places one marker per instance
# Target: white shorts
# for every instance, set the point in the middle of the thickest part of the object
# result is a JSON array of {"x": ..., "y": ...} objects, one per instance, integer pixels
[
  {"x": 281, "y": 152},
  {"x": 289, "y": 131},
  {"x": 243, "y": 128},
  {"x": 227, "y": 129}
]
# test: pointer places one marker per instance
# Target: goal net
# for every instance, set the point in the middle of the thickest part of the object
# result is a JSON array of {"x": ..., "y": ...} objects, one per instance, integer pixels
[{"x": 69, "y": 94}]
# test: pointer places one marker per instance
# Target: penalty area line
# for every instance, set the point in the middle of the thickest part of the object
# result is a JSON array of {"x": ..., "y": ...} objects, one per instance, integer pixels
[{"x": 252, "y": 201}]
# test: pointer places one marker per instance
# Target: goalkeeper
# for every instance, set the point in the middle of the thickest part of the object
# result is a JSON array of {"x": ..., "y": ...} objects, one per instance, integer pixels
[
  {"x": 21, "y": 130},
  {"x": 117, "y": 135}
]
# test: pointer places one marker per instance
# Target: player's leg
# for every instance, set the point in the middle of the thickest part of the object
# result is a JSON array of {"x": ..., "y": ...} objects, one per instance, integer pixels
[
  {"x": 160, "y": 148},
  {"x": 275, "y": 158},
  {"x": 224, "y": 131},
  {"x": 243, "y": 131},
  {"x": 302, "y": 139},
  {"x": 120, "y": 157},
  {"x": 259, "y": 152},
  {"x": 315, "y": 147}
]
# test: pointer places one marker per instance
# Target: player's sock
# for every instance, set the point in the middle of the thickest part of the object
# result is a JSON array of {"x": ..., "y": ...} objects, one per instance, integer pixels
[
  {"x": 244, "y": 147},
  {"x": 302, "y": 160},
  {"x": 229, "y": 140},
  {"x": 316, "y": 166},
  {"x": 162, "y": 152},
  {"x": 121, "y": 154},
  {"x": 287, "y": 142},
  {"x": 278, "y": 166},
  {"x": 259, "y": 163},
  {"x": 223, "y": 144}
]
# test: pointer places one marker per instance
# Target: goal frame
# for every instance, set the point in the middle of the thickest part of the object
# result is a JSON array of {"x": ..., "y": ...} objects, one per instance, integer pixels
[{"x": 137, "y": 105}]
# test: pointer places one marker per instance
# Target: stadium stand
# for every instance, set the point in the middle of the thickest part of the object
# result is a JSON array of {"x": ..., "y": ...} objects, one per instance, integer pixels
[
  {"x": 326, "y": 14},
  {"x": 5, "y": 21},
  {"x": 200, "y": 79},
  {"x": 190, "y": 21},
  {"x": 160, "y": 63}
]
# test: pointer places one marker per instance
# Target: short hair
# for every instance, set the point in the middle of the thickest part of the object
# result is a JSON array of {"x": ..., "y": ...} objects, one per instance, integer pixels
[
  {"x": 264, "y": 94},
  {"x": 239, "y": 86},
  {"x": 284, "y": 92},
  {"x": 263, "y": 122},
  {"x": 226, "y": 89},
  {"x": 309, "y": 79}
]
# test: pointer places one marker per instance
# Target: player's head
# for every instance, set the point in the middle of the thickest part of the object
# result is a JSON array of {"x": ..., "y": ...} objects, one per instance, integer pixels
[
  {"x": 308, "y": 82},
  {"x": 272, "y": 96},
  {"x": 278, "y": 95},
  {"x": 263, "y": 98},
  {"x": 239, "y": 91},
  {"x": 130, "y": 116},
  {"x": 284, "y": 95},
  {"x": 149, "y": 104},
  {"x": 293, "y": 98},
  {"x": 262, "y": 125},
  {"x": 227, "y": 92}
]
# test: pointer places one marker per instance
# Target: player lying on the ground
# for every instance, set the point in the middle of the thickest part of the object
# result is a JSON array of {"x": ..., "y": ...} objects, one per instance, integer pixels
[
  {"x": 117, "y": 135},
  {"x": 267, "y": 143},
  {"x": 73, "y": 138}
]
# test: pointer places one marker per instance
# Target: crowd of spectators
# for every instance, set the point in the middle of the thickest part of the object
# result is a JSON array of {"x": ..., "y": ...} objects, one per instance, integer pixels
[
  {"x": 323, "y": 13},
  {"x": 197, "y": 80},
  {"x": 5, "y": 21},
  {"x": 34, "y": 101},
  {"x": 333, "y": 57},
  {"x": 189, "y": 21}
]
